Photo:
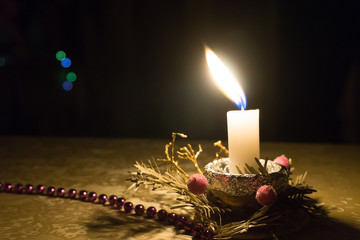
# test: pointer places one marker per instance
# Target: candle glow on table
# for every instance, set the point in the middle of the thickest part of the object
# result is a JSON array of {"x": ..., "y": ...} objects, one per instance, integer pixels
[{"x": 243, "y": 125}]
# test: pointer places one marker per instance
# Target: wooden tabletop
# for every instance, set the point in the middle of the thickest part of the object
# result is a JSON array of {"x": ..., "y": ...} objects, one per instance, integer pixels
[{"x": 102, "y": 165}]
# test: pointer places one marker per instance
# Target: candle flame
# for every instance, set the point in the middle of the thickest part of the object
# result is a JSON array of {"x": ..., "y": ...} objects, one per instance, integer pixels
[{"x": 225, "y": 80}]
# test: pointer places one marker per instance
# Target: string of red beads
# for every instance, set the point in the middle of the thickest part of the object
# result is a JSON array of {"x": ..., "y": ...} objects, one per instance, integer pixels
[{"x": 196, "y": 230}]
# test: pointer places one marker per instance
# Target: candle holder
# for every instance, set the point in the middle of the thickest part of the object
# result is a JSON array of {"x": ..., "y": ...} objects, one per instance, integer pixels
[
  {"x": 237, "y": 191},
  {"x": 243, "y": 206}
]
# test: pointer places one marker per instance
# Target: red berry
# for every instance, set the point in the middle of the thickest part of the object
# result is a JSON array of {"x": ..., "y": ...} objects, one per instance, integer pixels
[
  {"x": 197, "y": 184},
  {"x": 266, "y": 195},
  {"x": 283, "y": 161}
]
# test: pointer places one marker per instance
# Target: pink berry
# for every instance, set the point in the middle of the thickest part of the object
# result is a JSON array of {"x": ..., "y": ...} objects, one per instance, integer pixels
[
  {"x": 283, "y": 161},
  {"x": 197, "y": 184},
  {"x": 266, "y": 195}
]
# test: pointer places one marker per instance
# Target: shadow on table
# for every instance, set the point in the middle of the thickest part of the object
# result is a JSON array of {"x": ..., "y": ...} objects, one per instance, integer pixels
[
  {"x": 327, "y": 228},
  {"x": 122, "y": 225}
]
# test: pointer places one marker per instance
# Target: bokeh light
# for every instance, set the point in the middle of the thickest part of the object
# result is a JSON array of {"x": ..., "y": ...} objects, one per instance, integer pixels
[
  {"x": 71, "y": 77},
  {"x": 66, "y": 62},
  {"x": 60, "y": 55},
  {"x": 61, "y": 75},
  {"x": 2, "y": 61},
  {"x": 67, "y": 86}
]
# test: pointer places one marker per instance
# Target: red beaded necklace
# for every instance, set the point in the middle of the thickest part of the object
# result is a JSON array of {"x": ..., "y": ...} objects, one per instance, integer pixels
[{"x": 181, "y": 222}]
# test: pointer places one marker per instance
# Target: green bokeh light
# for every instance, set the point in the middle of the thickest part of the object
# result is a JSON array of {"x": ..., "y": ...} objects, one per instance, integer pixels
[
  {"x": 60, "y": 55},
  {"x": 2, "y": 61},
  {"x": 71, "y": 77},
  {"x": 61, "y": 75}
]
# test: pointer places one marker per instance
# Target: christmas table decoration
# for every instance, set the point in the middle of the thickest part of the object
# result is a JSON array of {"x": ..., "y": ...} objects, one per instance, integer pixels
[{"x": 245, "y": 205}]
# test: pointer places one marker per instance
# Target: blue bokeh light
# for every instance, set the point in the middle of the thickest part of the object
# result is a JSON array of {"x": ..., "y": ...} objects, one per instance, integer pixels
[
  {"x": 66, "y": 62},
  {"x": 67, "y": 86}
]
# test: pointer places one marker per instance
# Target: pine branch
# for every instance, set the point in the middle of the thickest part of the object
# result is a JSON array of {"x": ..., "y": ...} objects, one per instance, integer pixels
[{"x": 149, "y": 175}]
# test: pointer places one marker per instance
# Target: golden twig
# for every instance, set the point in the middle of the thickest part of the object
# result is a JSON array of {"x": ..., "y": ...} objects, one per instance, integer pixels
[
  {"x": 222, "y": 149},
  {"x": 189, "y": 154},
  {"x": 170, "y": 157}
]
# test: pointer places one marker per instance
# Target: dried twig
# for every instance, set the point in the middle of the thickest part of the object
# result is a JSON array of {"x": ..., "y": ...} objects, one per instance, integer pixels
[
  {"x": 170, "y": 157},
  {"x": 222, "y": 150},
  {"x": 189, "y": 154}
]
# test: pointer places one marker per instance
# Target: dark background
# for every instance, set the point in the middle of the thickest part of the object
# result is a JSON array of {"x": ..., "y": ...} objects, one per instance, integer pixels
[{"x": 142, "y": 71}]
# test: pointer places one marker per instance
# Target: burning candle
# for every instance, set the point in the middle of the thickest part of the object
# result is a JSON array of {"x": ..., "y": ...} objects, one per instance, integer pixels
[{"x": 243, "y": 125}]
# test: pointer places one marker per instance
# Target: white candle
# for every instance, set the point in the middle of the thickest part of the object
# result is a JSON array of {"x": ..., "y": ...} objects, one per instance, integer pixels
[
  {"x": 243, "y": 136},
  {"x": 243, "y": 125}
]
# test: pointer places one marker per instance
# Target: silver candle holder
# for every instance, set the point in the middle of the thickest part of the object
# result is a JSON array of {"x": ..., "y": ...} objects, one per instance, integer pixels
[{"x": 237, "y": 191}]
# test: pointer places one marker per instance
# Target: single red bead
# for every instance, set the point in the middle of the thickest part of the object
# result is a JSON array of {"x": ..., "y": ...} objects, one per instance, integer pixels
[
  {"x": 151, "y": 212},
  {"x": 92, "y": 196},
  {"x": 162, "y": 215},
  {"x": 29, "y": 188},
  {"x": 197, "y": 231},
  {"x": 128, "y": 207},
  {"x": 40, "y": 189},
  {"x": 8, "y": 187},
  {"x": 189, "y": 225},
  {"x": 112, "y": 200},
  {"x": 180, "y": 221},
  {"x": 83, "y": 195},
  {"x": 139, "y": 209},
  {"x": 207, "y": 235},
  {"x": 171, "y": 218},
  {"x": 19, "y": 188},
  {"x": 120, "y": 202},
  {"x": 50, "y": 191},
  {"x": 103, "y": 198},
  {"x": 1, "y": 187},
  {"x": 60, "y": 192},
  {"x": 72, "y": 193}
]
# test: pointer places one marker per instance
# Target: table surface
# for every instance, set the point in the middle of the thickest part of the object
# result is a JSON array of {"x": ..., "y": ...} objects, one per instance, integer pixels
[{"x": 102, "y": 165}]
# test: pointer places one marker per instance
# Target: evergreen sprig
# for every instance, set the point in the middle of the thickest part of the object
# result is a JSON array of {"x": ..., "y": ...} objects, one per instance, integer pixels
[
  {"x": 295, "y": 197},
  {"x": 151, "y": 176}
]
